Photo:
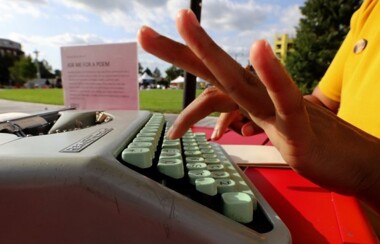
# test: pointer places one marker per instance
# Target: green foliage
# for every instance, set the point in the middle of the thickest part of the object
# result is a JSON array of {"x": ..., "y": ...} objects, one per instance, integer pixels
[
  {"x": 23, "y": 70},
  {"x": 46, "y": 71},
  {"x": 6, "y": 61},
  {"x": 173, "y": 72},
  {"x": 141, "y": 69},
  {"x": 321, "y": 31},
  {"x": 148, "y": 71}
]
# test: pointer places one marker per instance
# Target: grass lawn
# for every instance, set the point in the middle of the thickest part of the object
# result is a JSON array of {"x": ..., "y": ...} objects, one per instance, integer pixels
[{"x": 164, "y": 101}]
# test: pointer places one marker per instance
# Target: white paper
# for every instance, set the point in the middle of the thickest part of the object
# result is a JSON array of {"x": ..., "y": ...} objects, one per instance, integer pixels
[
  {"x": 100, "y": 76},
  {"x": 255, "y": 155}
]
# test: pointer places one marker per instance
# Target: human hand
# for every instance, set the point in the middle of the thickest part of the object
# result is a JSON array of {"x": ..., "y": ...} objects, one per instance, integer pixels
[
  {"x": 235, "y": 121},
  {"x": 312, "y": 140}
]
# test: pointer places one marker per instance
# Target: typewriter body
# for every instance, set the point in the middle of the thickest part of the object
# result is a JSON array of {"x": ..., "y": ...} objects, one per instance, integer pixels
[{"x": 62, "y": 180}]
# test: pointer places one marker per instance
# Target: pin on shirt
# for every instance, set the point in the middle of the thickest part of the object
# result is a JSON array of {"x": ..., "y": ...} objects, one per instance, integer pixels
[{"x": 360, "y": 46}]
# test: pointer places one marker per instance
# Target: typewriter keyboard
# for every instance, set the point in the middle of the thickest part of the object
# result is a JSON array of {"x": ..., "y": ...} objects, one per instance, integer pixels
[{"x": 196, "y": 168}]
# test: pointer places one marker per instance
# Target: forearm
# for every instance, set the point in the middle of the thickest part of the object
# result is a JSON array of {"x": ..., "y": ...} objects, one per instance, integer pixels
[
  {"x": 370, "y": 193},
  {"x": 319, "y": 98},
  {"x": 343, "y": 158}
]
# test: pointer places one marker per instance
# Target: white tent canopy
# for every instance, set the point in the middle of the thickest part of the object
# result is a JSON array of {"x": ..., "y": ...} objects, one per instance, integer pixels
[
  {"x": 145, "y": 77},
  {"x": 181, "y": 79},
  {"x": 178, "y": 80}
]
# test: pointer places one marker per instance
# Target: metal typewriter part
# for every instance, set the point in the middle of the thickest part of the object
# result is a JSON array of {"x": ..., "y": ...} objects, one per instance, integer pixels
[{"x": 113, "y": 177}]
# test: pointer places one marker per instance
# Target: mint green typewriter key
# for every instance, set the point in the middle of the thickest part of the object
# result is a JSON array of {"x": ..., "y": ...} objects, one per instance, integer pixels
[
  {"x": 188, "y": 135},
  {"x": 171, "y": 167},
  {"x": 209, "y": 155},
  {"x": 193, "y": 153},
  {"x": 196, "y": 174},
  {"x": 207, "y": 151},
  {"x": 146, "y": 134},
  {"x": 193, "y": 166},
  {"x": 144, "y": 139},
  {"x": 225, "y": 185},
  {"x": 191, "y": 159},
  {"x": 203, "y": 143},
  {"x": 148, "y": 145},
  {"x": 220, "y": 174},
  {"x": 240, "y": 183},
  {"x": 206, "y": 185},
  {"x": 191, "y": 148},
  {"x": 171, "y": 144},
  {"x": 213, "y": 167},
  {"x": 148, "y": 129},
  {"x": 156, "y": 136},
  {"x": 199, "y": 135},
  {"x": 140, "y": 157},
  {"x": 222, "y": 157},
  {"x": 227, "y": 166},
  {"x": 238, "y": 206},
  {"x": 189, "y": 144},
  {"x": 211, "y": 160},
  {"x": 170, "y": 155},
  {"x": 188, "y": 140},
  {"x": 204, "y": 146},
  {"x": 170, "y": 150},
  {"x": 253, "y": 197}
]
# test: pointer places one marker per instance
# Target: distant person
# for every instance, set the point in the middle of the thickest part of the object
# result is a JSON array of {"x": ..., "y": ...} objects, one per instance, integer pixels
[
  {"x": 58, "y": 82},
  {"x": 47, "y": 83}
]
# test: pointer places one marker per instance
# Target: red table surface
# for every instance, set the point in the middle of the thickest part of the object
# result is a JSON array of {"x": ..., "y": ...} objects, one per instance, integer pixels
[{"x": 311, "y": 213}]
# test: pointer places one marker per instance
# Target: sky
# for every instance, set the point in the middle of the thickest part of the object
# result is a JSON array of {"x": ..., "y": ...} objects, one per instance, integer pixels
[{"x": 47, "y": 25}]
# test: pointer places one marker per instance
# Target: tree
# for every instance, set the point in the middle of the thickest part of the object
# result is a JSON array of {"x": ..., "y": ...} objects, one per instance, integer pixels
[
  {"x": 156, "y": 73},
  {"x": 173, "y": 72},
  {"x": 321, "y": 31},
  {"x": 23, "y": 70},
  {"x": 6, "y": 61},
  {"x": 141, "y": 69},
  {"x": 45, "y": 70},
  {"x": 57, "y": 73},
  {"x": 148, "y": 71}
]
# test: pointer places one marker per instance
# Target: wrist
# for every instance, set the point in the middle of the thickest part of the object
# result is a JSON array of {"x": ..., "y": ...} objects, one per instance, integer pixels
[{"x": 369, "y": 189}]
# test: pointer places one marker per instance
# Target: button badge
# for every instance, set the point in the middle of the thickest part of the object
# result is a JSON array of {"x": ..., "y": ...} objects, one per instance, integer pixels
[{"x": 360, "y": 46}]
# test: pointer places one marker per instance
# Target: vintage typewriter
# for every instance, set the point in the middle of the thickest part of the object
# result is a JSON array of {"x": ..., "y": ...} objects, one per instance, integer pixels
[{"x": 114, "y": 177}]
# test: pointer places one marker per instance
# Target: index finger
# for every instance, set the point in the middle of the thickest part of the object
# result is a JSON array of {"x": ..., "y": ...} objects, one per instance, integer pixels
[{"x": 211, "y": 100}]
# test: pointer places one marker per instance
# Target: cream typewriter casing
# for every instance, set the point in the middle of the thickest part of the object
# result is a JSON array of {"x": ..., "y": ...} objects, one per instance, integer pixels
[{"x": 54, "y": 191}]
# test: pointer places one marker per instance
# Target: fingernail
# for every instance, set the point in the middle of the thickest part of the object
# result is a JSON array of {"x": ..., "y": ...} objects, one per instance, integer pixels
[
  {"x": 248, "y": 130},
  {"x": 215, "y": 134},
  {"x": 191, "y": 16},
  {"x": 170, "y": 132},
  {"x": 147, "y": 31}
]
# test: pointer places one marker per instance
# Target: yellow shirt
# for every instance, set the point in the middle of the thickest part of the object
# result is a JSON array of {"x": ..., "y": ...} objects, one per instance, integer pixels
[{"x": 353, "y": 79}]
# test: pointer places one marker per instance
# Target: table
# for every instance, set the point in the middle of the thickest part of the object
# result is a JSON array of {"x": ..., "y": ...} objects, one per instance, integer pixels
[{"x": 311, "y": 213}]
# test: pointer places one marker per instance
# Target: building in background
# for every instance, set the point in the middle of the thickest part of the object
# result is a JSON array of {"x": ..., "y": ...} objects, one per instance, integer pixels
[
  {"x": 283, "y": 44},
  {"x": 10, "y": 47}
]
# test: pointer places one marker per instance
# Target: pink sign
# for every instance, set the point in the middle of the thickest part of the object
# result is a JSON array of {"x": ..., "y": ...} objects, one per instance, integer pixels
[{"x": 100, "y": 76}]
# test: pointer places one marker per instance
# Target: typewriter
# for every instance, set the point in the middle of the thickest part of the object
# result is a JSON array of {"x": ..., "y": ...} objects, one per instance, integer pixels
[{"x": 114, "y": 177}]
